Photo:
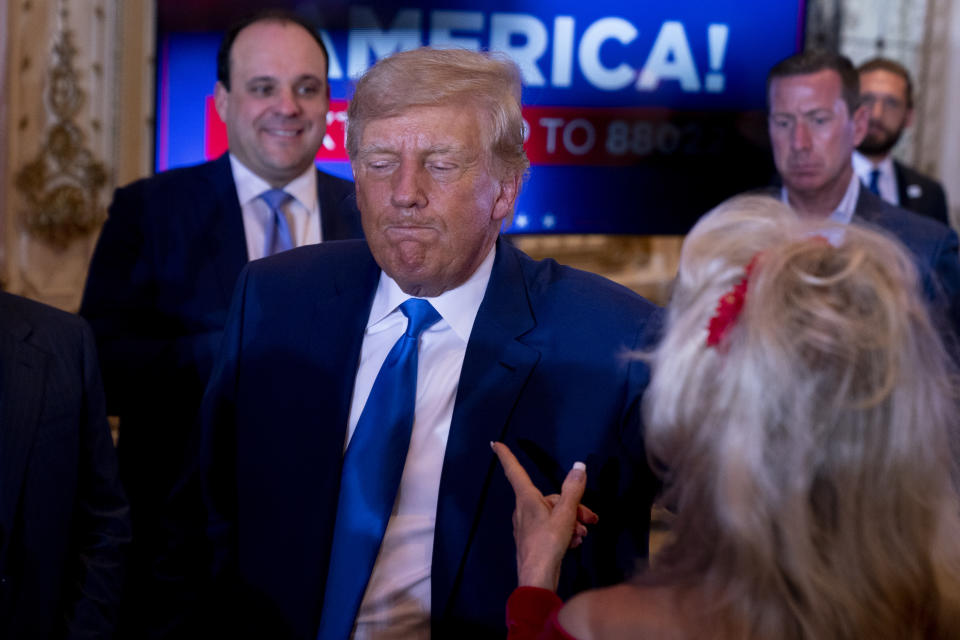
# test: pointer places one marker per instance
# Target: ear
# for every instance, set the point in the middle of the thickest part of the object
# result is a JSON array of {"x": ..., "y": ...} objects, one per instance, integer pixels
[
  {"x": 221, "y": 98},
  {"x": 908, "y": 121},
  {"x": 503, "y": 206},
  {"x": 861, "y": 121}
]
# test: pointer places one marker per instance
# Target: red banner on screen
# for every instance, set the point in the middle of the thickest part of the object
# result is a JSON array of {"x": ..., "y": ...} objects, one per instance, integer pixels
[{"x": 607, "y": 136}]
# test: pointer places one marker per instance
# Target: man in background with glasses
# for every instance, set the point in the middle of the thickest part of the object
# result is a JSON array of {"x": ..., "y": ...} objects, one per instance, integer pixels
[{"x": 886, "y": 92}]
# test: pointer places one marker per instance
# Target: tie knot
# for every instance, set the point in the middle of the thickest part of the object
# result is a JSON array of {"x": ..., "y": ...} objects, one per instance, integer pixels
[
  {"x": 274, "y": 198},
  {"x": 421, "y": 314}
]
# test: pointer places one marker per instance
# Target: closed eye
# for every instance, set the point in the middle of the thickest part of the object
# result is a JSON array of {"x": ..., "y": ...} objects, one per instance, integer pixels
[{"x": 380, "y": 164}]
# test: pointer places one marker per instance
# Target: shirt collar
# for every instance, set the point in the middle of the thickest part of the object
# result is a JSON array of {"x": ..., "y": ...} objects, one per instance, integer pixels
[
  {"x": 862, "y": 166},
  {"x": 843, "y": 214},
  {"x": 458, "y": 306},
  {"x": 303, "y": 188}
]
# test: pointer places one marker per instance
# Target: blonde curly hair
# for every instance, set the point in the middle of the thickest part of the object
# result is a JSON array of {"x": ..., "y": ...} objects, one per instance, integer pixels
[{"x": 811, "y": 455}]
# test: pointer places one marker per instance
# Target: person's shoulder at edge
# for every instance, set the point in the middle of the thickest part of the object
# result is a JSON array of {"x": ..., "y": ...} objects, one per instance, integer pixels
[
  {"x": 38, "y": 315},
  {"x": 624, "y": 611},
  {"x": 311, "y": 267},
  {"x": 910, "y": 227},
  {"x": 171, "y": 177},
  {"x": 331, "y": 251}
]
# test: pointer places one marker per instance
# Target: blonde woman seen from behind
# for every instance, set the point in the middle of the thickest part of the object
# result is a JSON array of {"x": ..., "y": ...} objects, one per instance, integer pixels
[{"x": 803, "y": 412}]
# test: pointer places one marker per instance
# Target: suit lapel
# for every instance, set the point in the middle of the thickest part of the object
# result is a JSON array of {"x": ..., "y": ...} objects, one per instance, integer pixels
[
  {"x": 496, "y": 367},
  {"x": 867, "y": 207},
  {"x": 901, "y": 183},
  {"x": 21, "y": 395},
  {"x": 337, "y": 327},
  {"x": 224, "y": 229}
]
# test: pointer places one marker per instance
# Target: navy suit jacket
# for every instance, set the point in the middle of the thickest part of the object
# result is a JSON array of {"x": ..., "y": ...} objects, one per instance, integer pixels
[
  {"x": 64, "y": 521},
  {"x": 920, "y": 194},
  {"x": 157, "y": 297},
  {"x": 547, "y": 371},
  {"x": 935, "y": 250}
]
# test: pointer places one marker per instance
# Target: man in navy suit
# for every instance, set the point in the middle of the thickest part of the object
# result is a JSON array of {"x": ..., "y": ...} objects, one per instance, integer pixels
[
  {"x": 887, "y": 94},
  {"x": 533, "y": 354},
  {"x": 64, "y": 521},
  {"x": 173, "y": 246},
  {"x": 815, "y": 122}
]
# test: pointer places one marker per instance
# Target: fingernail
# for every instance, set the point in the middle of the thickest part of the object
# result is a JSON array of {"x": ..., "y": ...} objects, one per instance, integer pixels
[
  {"x": 579, "y": 466},
  {"x": 491, "y": 444}
]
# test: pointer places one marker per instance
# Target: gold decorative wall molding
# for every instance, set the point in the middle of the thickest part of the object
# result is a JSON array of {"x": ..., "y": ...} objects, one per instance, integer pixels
[
  {"x": 62, "y": 185},
  {"x": 4, "y": 139},
  {"x": 78, "y": 105}
]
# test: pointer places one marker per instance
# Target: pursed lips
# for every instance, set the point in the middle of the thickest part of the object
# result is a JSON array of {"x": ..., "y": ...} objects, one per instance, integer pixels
[{"x": 405, "y": 230}]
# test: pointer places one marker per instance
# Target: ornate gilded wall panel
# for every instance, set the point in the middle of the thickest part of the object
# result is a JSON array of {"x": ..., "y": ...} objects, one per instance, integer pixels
[{"x": 66, "y": 106}]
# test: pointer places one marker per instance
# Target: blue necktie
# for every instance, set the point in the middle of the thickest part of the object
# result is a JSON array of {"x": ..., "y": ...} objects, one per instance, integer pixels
[
  {"x": 875, "y": 181},
  {"x": 372, "y": 467},
  {"x": 277, "y": 237}
]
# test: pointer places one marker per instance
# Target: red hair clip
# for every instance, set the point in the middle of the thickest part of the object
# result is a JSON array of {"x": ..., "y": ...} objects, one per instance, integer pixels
[{"x": 729, "y": 307}]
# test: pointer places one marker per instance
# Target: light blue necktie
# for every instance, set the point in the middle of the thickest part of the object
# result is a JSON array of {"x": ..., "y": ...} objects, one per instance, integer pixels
[
  {"x": 372, "y": 467},
  {"x": 277, "y": 237},
  {"x": 874, "y": 181}
]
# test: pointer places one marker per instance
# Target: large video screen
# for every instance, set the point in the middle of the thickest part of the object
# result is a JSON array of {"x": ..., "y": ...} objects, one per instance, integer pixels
[{"x": 640, "y": 115}]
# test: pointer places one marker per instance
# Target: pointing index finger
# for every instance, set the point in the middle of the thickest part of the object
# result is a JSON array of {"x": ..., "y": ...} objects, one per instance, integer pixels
[{"x": 512, "y": 468}]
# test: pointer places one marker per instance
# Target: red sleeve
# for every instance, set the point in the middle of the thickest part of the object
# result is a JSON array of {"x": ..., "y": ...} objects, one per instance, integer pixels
[{"x": 532, "y": 615}]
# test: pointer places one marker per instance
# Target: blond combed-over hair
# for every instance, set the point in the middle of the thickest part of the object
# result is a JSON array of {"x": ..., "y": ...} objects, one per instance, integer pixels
[
  {"x": 438, "y": 77},
  {"x": 812, "y": 453}
]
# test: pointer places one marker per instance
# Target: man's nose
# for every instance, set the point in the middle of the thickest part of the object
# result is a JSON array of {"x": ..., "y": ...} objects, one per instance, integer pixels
[
  {"x": 286, "y": 102},
  {"x": 800, "y": 139},
  {"x": 407, "y": 186}
]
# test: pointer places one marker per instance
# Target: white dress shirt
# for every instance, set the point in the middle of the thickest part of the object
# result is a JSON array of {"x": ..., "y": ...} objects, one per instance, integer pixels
[
  {"x": 887, "y": 181},
  {"x": 396, "y": 604},
  {"x": 302, "y": 210}
]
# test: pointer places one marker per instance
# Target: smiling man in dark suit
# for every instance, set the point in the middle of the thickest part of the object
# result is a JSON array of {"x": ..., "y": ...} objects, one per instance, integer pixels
[
  {"x": 173, "y": 246},
  {"x": 346, "y": 458},
  {"x": 815, "y": 122},
  {"x": 886, "y": 92},
  {"x": 64, "y": 521}
]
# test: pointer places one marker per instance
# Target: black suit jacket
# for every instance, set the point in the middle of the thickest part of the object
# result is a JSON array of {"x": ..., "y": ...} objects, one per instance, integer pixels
[
  {"x": 920, "y": 194},
  {"x": 157, "y": 296},
  {"x": 547, "y": 370},
  {"x": 64, "y": 521}
]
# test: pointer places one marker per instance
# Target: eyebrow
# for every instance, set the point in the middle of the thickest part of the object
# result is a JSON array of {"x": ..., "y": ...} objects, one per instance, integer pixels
[
  {"x": 436, "y": 149},
  {"x": 298, "y": 79},
  {"x": 809, "y": 112}
]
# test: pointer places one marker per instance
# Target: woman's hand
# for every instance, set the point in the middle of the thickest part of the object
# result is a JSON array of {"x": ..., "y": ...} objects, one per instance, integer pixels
[{"x": 544, "y": 527}]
